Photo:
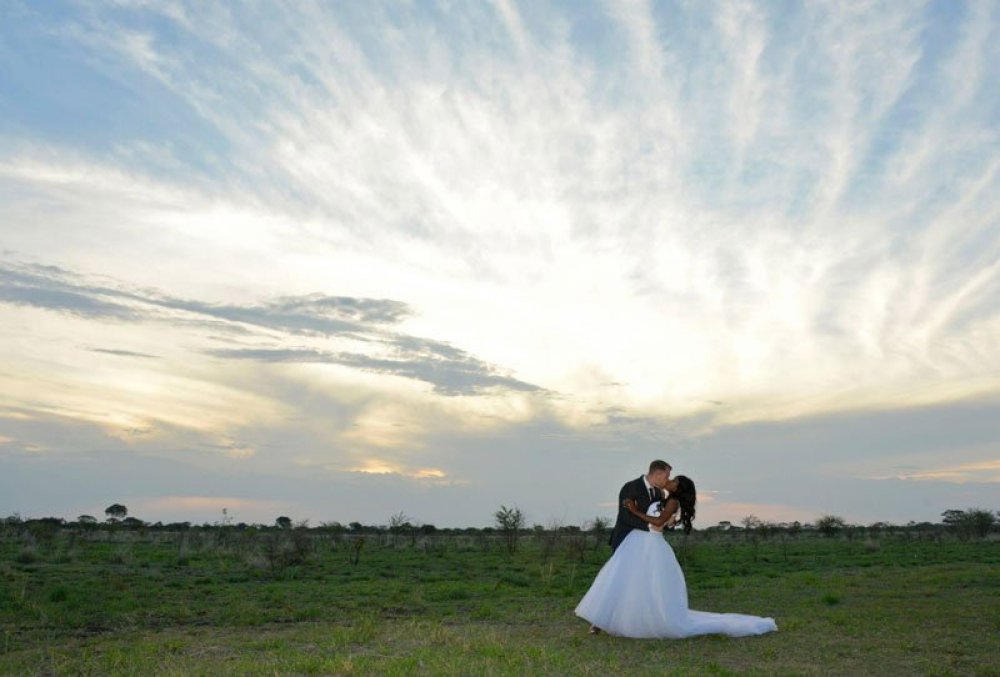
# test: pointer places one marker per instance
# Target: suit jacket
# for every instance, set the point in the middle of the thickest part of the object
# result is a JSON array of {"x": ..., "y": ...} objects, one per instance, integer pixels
[{"x": 626, "y": 522}]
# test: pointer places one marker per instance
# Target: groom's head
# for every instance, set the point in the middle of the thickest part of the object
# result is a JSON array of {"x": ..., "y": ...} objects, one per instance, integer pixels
[{"x": 659, "y": 473}]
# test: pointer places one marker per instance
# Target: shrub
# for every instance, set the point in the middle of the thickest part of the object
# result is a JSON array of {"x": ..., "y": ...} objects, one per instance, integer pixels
[
  {"x": 974, "y": 522},
  {"x": 830, "y": 525},
  {"x": 27, "y": 555},
  {"x": 510, "y": 522}
]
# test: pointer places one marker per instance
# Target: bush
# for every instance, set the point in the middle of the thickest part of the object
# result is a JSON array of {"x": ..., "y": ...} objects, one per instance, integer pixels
[
  {"x": 27, "y": 555},
  {"x": 974, "y": 522},
  {"x": 510, "y": 522},
  {"x": 830, "y": 525}
]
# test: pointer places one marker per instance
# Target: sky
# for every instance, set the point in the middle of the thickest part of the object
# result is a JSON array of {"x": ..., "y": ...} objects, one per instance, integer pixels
[{"x": 341, "y": 261}]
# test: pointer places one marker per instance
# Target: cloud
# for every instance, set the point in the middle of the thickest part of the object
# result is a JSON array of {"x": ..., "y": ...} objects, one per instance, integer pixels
[
  {"x": 450, "y": 370},
  {"x": 979, "y": 471},
  {"x": 40, "y": 286},
  {"x": 58, "y": 289},
  {"x": 374, "y": 466},
  {"x": 708, "y": 232},
  {"x": 122, "y": 353},
  {"x": 458, "y": 374}
]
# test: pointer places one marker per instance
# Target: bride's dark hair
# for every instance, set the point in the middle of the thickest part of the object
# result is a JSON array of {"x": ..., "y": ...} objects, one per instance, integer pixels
[{"x": 686, "y": 496}]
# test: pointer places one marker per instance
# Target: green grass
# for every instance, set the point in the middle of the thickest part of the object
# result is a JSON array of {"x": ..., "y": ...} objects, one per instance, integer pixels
[{"x": 212, "y": 603}]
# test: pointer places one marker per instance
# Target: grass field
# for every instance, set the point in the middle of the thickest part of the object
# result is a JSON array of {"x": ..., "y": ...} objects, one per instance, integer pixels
[{"x": 216, "y": 601}]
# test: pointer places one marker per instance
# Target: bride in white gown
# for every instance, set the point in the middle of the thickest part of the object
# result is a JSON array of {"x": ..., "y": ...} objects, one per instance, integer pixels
[{"x": 641, "y": 592}]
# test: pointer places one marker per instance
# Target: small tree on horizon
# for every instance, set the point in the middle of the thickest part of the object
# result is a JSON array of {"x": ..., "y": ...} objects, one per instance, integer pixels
[
  {"x": 283, "y": 522},
  {"x": 116, "y": 511},
  {"x": 829, "y": 525},
  {"x": 510, "y": 522}
]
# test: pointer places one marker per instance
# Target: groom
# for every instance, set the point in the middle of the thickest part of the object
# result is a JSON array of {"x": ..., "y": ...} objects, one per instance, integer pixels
[{"x": 643, "y": 490}]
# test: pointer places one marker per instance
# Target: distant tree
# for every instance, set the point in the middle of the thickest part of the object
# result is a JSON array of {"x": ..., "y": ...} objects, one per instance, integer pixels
[
  {"x": 974, "y": 522},
  {"x": 427, "y": 529},
  {"x": 133, "y": 522},
  {"x": 724, "y": 525},
  {"x": 86, "y": 519},
  {"x": 830, "y": 525},
  {"x": 510, "y": 522},
  {"x": 356, "y": 526},
  {"x": 767, "y": 529},
  {"x": 399, "y": 523},
  {"x": 600, "y": 525},
  {"x": 284, "y": 522},
  {"x": 116, "y": 511},
  {"x": 751, "y": 523}
]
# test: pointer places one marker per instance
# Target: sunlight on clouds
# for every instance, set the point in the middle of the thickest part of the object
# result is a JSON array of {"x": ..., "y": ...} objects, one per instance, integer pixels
[
  {"x": 374, "y": 466},
  {"x": 384, "y": 424},
  {"x": 126, "y": 397},
  {"x": 486, "y": 233},
  {"x": 984, "y": 471}
]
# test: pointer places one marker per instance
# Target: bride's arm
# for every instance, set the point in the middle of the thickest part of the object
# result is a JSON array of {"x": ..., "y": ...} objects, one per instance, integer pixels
[{"x": 668, "y": 511}]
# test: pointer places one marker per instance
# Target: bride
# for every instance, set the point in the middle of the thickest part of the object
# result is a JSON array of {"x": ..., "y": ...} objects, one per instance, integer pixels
[{"x": 640, "y": 591}]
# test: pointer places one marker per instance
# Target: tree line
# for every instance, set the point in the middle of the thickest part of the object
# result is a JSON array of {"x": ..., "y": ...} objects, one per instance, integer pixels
[{"x": 510, "y": 523}]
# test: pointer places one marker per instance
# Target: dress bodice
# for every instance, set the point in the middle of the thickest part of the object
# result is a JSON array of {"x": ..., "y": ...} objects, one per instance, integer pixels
[{"x": 654, "y": 511}]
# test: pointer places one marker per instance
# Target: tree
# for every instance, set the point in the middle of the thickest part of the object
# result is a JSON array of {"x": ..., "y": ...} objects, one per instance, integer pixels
[
  {"x": 399, "y": 523},
  {"x": 116, "y": 511},
  {"x": 86, "y": 519},
  {"x": 600, "y": 525},
  {"x": 509, "y": 521},
  {"x": 972, "y": 522},
  {"x": 283, "y": 522},
  {"x": 829, "y": 525},
  {"x": 750, "y": 525}
]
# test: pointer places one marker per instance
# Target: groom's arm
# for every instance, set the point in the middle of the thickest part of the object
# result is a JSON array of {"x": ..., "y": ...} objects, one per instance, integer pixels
[{"x": 624, "y": 515}]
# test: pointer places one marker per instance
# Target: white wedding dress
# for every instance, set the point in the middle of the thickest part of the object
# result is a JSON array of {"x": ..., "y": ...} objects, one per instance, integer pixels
[{"x": 641, "y": 592}]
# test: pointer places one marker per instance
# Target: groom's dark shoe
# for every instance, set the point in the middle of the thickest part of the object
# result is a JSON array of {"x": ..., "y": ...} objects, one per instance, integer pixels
[{"x": 594, "y": 630}]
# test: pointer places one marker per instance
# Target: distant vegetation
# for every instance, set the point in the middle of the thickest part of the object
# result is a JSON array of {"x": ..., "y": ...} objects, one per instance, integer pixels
[
  {"x": 285, "y": 543},
  {"x": 510, "y": 524}
]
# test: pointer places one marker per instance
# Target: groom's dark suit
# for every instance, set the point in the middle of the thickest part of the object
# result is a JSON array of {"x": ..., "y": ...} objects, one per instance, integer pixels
[{"x": 626, "y": 522}]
